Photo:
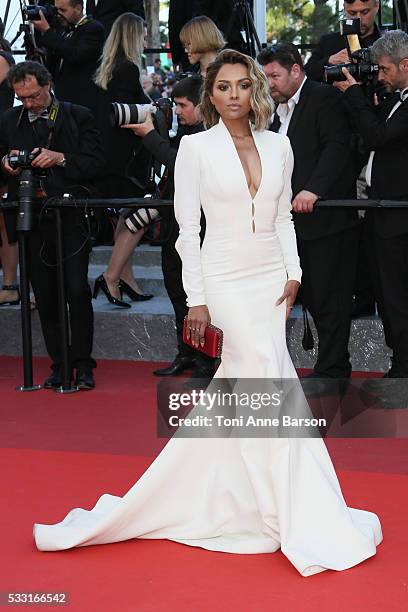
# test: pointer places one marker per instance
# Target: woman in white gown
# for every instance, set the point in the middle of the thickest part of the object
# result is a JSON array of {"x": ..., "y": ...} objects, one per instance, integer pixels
[{"x": 238, "y": 495}]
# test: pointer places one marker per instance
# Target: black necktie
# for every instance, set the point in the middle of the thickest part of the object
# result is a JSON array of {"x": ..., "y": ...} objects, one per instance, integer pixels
[
  {"x": 276, "y": 123},
  {"x": 90, "y": 7},
  {"x": 41, "y": 131}
]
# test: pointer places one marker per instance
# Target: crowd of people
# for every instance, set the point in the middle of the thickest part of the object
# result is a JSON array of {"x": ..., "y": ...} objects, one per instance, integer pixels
[{"x": 348, "y": 263}]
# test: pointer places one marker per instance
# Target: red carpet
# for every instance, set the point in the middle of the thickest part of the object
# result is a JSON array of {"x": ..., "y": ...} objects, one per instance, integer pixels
[{"x": 59, "y": 452}]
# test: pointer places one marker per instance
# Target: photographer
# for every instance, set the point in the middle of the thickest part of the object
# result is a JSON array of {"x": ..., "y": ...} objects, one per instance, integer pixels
[
  {"x": 68, "y": 156},
  {"x": 384, "y": 129},
  {"x": 73, "y": 51},
  {"x": 331, "y": 48},
  {"x": 186, "y": 95}
]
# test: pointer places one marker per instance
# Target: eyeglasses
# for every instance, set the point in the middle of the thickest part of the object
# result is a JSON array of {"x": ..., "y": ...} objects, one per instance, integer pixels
[{"x": 33, "y": 96}]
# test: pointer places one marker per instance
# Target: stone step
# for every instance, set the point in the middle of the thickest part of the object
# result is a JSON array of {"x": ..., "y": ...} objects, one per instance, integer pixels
[
  {"x": 149, "y": 278},
  {"x": 146, "y": 331},
  {"x": 143, "y": 255}
]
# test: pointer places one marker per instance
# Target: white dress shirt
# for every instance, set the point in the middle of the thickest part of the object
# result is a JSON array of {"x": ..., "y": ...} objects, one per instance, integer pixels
[{"x": 285, "y": 110}]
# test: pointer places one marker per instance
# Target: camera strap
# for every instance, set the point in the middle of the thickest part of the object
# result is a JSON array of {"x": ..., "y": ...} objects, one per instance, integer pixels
[{"x": 52, "y": 117}]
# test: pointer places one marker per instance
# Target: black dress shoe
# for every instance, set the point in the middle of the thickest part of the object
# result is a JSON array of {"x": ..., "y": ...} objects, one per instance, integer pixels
[
  {"x": 317, "y": 385},
  {"x": 85, "y": 380},
  {"x": 200, "y": 378},
  {"x": 53, "y": 381},
  {"x": 179, "y": 365}
]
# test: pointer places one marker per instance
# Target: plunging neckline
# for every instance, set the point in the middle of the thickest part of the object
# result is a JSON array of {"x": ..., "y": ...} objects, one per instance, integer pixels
[{"x": 240, "y": 162}]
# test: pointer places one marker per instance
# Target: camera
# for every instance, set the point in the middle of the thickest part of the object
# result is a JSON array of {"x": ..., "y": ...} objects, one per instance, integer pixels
[
  {"x": 360, "y": 67},
  {"x": 22, "y": 159},
  {"x": 122, "y": 114},
  {"x": 50, "y": 12}
]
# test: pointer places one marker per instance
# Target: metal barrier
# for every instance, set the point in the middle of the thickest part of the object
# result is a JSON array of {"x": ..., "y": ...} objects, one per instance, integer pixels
[{"x": 68, "y": 202}]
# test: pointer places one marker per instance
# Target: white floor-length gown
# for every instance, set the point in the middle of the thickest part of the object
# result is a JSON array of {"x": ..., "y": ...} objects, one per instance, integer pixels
[{"x": 235, "y": 495}]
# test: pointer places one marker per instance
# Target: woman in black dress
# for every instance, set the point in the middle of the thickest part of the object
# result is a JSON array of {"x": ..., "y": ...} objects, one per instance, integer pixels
[{"x": 118, "y": 78}]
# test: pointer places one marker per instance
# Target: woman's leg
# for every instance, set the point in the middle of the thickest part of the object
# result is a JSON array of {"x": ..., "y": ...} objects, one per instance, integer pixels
[
  {"x": 120, "y": 264},
  {"x": 9, "y": 260}
]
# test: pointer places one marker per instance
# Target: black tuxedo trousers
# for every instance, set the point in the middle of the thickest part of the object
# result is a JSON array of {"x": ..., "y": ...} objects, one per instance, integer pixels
[
  {"x": 172, "y": 275},
  {"x": 43, "y": 277},
  {"x": 328, "y": 274}
]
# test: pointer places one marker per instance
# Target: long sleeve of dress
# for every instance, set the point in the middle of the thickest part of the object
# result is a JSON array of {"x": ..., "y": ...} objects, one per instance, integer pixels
[
  {"x": 187, "y": 209},
  {"x": 284, "y": 222}
]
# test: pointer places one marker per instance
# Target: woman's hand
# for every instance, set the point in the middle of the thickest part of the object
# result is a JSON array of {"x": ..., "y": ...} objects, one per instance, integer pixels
[
  {"x": 289, "y": 294},
  {"x": 198, "y": 318}
]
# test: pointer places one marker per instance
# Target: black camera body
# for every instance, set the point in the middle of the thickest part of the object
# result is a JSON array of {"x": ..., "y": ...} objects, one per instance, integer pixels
[
  {"x": 22, "y": 159},
  {"x": 50, "y": 12},
  {"x": 360, "y": 67}
]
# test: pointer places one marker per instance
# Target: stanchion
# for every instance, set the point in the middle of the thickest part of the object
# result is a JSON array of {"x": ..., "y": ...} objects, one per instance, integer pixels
[
  {"x": 66, "y": 386},
  {"x": 25, "y": 317},
  {"x": 24, "y": 224}
]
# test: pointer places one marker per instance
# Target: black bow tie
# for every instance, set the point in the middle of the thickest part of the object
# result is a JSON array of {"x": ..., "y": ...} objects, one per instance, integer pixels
[
  {"x": 34, "y": 116},
  {"x": 404, "y": 94}
]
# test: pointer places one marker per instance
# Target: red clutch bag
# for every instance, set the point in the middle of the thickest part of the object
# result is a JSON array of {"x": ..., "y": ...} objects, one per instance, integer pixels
[{"x": 213, "y": 339}]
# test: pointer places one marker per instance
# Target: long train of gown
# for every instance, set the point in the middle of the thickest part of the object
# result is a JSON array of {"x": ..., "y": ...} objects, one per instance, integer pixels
[{"x": 237, "y": 495}]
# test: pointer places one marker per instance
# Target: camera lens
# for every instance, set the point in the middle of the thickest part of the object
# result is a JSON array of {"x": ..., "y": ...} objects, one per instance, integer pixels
[{"x": 121, "y": 114}]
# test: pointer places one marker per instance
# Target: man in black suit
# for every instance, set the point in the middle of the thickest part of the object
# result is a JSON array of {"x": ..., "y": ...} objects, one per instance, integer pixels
[
  {"x": 106, "y": 11},
  {"x": 313, "y": 118},
  {"x": 69, "y": 155},
  {"x": 186, "y": 95},
  {"x": 384, "y": 130},
  {"x": 73, "y": 53},
  {"x": 331, "y": 49}
]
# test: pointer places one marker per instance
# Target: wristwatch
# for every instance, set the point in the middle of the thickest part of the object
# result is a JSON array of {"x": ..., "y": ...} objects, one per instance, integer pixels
[{"x": 62, "y": 163}]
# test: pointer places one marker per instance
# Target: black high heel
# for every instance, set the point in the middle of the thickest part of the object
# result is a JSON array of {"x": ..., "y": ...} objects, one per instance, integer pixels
[
  {"x": 11, "y": 302},
  {"x": 100, "y": 283},
  {"x": 134, "y": 295}
]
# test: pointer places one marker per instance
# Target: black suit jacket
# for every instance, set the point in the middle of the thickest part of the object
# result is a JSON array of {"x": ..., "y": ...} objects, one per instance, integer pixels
[
  {"x": 106, "y": 11},
  {"x": 80, "y": 52},
  {"x": 320, "y": 135},
  {"x": 180, "y": 11},
  {"x": 127, "y": 158},
  {"x": 220, "y": 13},
  {"x": 389, "y": 139},
  {"x": 327, "y": 46}
]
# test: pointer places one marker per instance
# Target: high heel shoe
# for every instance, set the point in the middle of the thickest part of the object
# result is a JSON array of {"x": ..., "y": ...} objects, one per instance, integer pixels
[
  {"x": 100, "y": 283},
  {"x": 134, "y": 295},
  {"x": 11, "y": 302}
]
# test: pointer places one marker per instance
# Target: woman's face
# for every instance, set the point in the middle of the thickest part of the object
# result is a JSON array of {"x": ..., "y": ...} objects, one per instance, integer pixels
[
  {"x": 193, "y": 58},
  {"x": 145, "y": 38},
  {"x": 231, "y": 94}
]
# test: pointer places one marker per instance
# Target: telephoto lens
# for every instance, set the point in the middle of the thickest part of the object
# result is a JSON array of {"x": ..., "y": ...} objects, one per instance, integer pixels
[{"x": 122, "y": 114}]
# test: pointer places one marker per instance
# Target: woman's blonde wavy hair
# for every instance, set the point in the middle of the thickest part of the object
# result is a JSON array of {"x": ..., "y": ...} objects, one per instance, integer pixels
[
  {"x": 262, "y": 105},
  {"x": 203, "y": 35},
  {"x": 125, "y": 42}
]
